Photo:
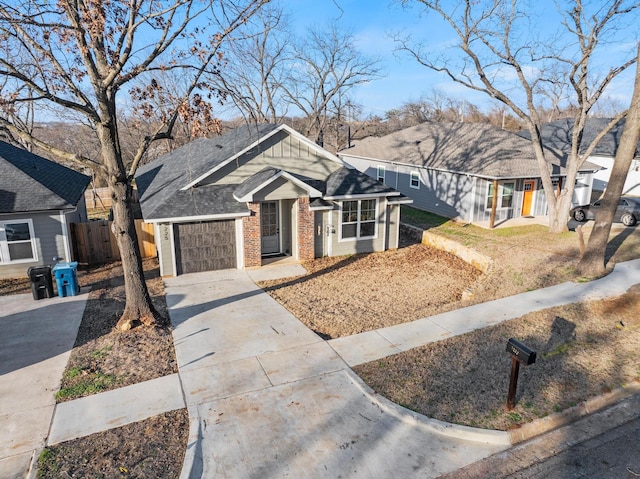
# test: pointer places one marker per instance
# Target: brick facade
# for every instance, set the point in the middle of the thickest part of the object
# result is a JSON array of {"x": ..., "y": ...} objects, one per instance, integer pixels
[
  {"x": 252, "y": 240},
  {"x": 306, "y": 227}
]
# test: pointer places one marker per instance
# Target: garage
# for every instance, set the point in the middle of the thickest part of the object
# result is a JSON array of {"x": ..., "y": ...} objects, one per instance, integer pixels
[{"x": 205, "y": 246}]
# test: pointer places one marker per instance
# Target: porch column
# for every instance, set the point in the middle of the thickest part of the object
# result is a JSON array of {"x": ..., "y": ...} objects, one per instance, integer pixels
[
  {"x": 306, "y": 230},
  {"x": 494, "y": 205},
  {"x": 251, "y": 233}
]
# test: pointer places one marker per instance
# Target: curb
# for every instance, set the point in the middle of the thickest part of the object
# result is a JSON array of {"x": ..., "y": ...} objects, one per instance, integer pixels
[
  {"x": 467, "y": 433},
  {"x": 571, "y": 415}
]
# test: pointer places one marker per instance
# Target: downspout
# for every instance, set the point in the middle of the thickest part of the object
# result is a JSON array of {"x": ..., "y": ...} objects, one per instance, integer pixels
[{"x": 65, "y": 233}]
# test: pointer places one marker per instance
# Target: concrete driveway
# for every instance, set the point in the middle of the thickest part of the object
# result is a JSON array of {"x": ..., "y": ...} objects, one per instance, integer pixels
[
  {"x": 268, "y": 398},
  {"x": 36, "y": 338}
]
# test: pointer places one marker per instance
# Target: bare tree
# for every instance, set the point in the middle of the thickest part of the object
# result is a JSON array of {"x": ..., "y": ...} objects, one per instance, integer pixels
[
  {"x": 592, "y": 262},
  {"x": 255, "y": 67},
  {"x": 502, "y": 58},
  {"x": 79, "y": 58},
  {"x": 326, "y": 64}
]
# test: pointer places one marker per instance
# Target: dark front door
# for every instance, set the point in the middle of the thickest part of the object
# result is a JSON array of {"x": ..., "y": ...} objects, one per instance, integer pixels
[{"x": 269, "y": 228}]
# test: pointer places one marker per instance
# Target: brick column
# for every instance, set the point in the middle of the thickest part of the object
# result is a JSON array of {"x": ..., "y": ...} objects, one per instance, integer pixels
[
  {"x": 306, "y": 225},
  {"x": 251, "y": 233}
]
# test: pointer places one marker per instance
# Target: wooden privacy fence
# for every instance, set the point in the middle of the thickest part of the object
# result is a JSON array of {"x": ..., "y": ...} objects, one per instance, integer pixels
[
  {"x": 101, "y": 197},
  {"x": 94, "y": 243}
]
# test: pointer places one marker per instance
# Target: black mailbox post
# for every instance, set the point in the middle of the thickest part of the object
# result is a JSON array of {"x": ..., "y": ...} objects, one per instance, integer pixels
[{"x": 519, "y": 354}]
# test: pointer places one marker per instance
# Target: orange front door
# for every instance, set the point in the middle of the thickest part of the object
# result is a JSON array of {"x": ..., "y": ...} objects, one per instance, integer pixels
[{"x": 527, "y": 197}]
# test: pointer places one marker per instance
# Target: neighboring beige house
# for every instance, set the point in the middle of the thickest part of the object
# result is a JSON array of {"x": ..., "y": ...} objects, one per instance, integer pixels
[{"x": 260, "y": 192}]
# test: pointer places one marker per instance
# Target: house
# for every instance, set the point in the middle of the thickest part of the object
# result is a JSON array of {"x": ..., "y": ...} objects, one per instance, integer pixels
[
  {"x": 38, "y": 201},
  {"x": 259, "y": 192},
  {"x": 457, "y": 170},
  {"x": 557, "y": 135}
]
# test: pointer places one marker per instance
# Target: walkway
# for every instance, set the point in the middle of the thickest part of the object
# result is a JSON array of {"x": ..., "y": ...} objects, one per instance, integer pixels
[
  {"x": 269, "y": 398},
  {"x": 36, "y": 338}
]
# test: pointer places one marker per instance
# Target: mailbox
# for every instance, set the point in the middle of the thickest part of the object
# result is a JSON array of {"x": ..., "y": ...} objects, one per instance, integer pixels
[{"x": 520, "y": 352}]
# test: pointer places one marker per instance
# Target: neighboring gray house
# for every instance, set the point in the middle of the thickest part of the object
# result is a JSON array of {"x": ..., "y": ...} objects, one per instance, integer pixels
[
  {"x": 557, "y": 135},
  {"x": 456, "y": 169},
  {"x": 259, "y": 192},
  {"x": 38, "y": 201}
]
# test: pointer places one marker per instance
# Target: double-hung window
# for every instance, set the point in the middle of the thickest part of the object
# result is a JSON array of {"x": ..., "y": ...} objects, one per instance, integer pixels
[
  {"x": 381, "y": 174},
  {"x": 505, "y": 195},
  {"x": 414, "y": 180},
  {"x": 17, "y": 241},
  {"x": 358, "y": 219}
]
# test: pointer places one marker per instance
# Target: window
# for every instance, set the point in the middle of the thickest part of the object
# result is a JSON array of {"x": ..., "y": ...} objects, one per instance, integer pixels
[
  {"x": 414, "y": 180},
  {"x": 17, "y": 241},
  {"x": 505, "y": 195},
  {"x": 358, "y": 219},
  {"x": 381, "y": 174}
]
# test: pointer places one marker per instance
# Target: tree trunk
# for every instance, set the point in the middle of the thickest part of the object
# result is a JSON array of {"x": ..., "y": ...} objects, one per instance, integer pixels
[
  {"x": 138, "y": 305},
  {"x": 593, "y": 262}
]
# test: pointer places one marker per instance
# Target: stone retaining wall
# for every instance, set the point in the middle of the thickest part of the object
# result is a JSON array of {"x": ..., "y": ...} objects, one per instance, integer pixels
[{"x": 477, "y": 260}]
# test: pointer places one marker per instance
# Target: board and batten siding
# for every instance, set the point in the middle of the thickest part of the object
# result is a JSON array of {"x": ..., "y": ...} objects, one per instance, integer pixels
[
  {"x": 442, "y": 193},
  {"x": 49, "y": 242},
  {"x": 280, "y": 151},
  {"x": 351, "y": 246}
]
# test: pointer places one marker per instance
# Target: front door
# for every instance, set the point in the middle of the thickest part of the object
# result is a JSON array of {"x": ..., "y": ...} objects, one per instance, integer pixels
[
  {"x": 269, "y": 228},
  {"x": 527, "y": 199}
]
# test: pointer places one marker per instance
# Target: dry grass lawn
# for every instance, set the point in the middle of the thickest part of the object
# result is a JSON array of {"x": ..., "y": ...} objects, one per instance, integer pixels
[{"x": 464, "y": 379}]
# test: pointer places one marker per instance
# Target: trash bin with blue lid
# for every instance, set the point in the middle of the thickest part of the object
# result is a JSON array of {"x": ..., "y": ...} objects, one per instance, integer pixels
[
  {"x": 67, "y": 278},
  {"x": 41, "y": 282}
]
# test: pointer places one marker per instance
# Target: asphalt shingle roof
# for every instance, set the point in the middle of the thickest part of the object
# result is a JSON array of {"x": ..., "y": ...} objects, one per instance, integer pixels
[
  {"x": 348, "y": 182},
  {"x": 472, "y": 148},
  {"x": 160, "y": 182},
  {"x": 29, "y": 182},
  {"x": 557, "y": 135}
]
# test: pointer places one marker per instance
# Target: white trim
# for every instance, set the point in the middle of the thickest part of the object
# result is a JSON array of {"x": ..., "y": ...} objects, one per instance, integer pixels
[
  {"x": 239, "y": 244},
  {"x": 329, "y": 232},
  {"x": 406, "y": 201},
  {"x": 363, "y": 196},
  {"x": 311, "y": 191},
  {"x": 191, "y": 219},
  {"x": 4, "y": 245},
  {"x": 500, "y": 195},
  {"x": 158, "y": 242},
  {"x": 415, "y": 174},
  {"x": 174, "y": 260},
  {"x": 474, "y": 190},
  {"x": 284, "y": 127},
  {"x": 357, "y": 237},
  {"x": 65, "y": 236}
]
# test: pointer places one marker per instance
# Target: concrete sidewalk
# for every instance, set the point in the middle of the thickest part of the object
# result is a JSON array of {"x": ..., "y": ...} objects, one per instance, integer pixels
[
  {"x": 35, "y": 342},
  {"x": 268, "y": 398},
  {"x": 371, "y": 345}
]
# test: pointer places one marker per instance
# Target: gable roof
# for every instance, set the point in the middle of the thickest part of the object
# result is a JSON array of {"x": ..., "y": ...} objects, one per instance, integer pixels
[
  {"x": 557, "y": 135},
  {"x": 172, "y": 187},
  {"x": 468, "y": 148},
  {"x": 29, "y": 182}
]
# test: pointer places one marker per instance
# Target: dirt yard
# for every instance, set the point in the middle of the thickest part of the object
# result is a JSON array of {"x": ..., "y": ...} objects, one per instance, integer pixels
[
  {"x": 348, "y": 295},
  {"x": 584, "y": 350}
]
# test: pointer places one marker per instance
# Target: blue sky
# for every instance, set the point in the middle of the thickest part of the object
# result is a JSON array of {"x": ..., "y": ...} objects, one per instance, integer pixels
[{"x": 372, "y": 22}]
